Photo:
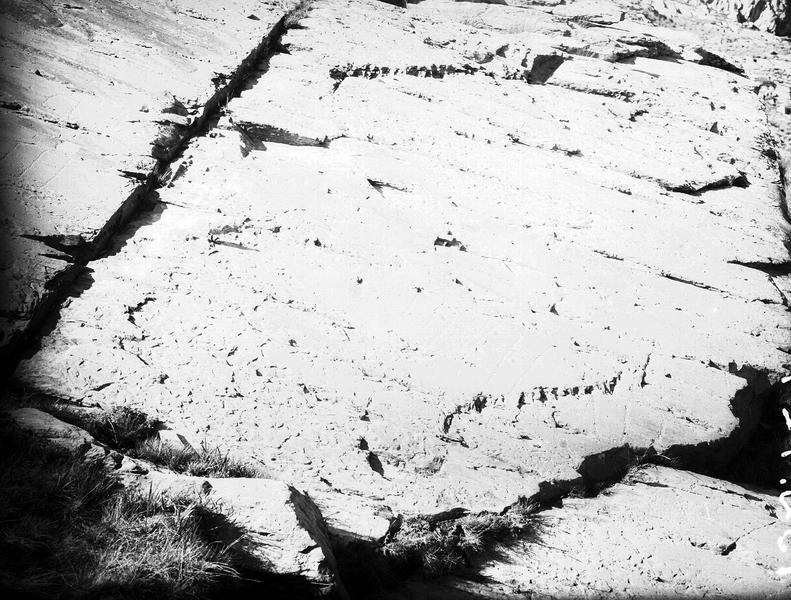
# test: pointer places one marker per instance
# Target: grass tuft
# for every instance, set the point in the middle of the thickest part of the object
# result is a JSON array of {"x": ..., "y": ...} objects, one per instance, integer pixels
[
  {"x": 121, "y": 428},
  {"x": 69, "y": 529},
  {"x": 208, "y": 462},
  {"x": 440, "y": 548},
  {"x": 132, "y": 432}
]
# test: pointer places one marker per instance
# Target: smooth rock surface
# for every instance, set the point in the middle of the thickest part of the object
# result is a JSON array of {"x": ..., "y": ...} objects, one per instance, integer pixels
[{"x": 67, "y": 436}]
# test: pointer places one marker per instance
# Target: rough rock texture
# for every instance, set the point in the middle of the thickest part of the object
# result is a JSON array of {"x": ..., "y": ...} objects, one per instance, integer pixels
[
  {"x": 667, "y": 533},
  {"x": 456, "y": 254},
  {"x": 281, "y": 530},
  {"x": 93, "y": 93},
  {"x": 461, "y": 334},
  {"x": 773, "y": 16},
  {"x": 767, "y": 58},
  {"x": 273, "y": 528}
]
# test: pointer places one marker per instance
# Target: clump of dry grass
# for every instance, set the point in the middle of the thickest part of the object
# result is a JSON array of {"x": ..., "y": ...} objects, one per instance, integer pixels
[
  {"x": 132, "y": 432},
  {"x": 438, "y": 548},
  {"x": 70, "y": 530},
  {"x": 121, "y": 428},
  {"x": 159, "y": 544},
  {"x": 207, "y": 462}
]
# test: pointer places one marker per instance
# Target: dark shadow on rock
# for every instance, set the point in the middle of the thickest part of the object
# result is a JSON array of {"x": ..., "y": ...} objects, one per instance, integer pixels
[
  {"x": 544, "y": 66},
  {"x": 273, "y": 47},
  {"x": 398, "y": 3},
  {"x": 144, "y": 218},
  {"x": 377, "y": 569},
  {"x": 65, "y": 288},
  {"x": 750, "y": 455}
]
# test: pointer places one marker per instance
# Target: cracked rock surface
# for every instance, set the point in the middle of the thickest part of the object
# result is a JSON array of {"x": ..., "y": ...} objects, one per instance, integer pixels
[
  {"x": 457, "y": 254},
  {"x": 93, "y": 93},
  {"x": 272, "y": 527},
  {"x": 713, "y": 541},
  {"x": 665, "y": 532}
]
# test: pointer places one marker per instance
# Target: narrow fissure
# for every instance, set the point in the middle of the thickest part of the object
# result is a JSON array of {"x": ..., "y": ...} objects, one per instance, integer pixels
[
  {"x": 167, "y": 148},
  {"x": 750, "y": 456}
]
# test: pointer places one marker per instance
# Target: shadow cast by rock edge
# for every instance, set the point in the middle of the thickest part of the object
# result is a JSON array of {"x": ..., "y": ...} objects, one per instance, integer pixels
[{"x": 166, "y": 148}]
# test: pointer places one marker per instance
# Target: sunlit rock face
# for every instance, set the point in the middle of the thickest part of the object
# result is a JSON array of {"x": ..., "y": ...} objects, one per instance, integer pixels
[
  {"x": 446, "y": 255},
  {"x": 773, "y": 16}
]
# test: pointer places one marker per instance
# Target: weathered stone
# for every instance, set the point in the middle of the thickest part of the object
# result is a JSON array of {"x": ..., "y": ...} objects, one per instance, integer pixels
[
  {"x": 773, "y": 16},
  {"x": 599, "y": 12},
  {"x": 662, "y": 531},
  {"x": 55, "y": 431},
  {"x": 130, "y": 465},
  {"x": 353, "y": 516},
  {"x": 77, "y": 147},
  {"x": 175, "y": 440},
  {"x": 588, "y": 311},
  {"x": 300, "y": 295},
  {"x": 275, "y": 529}
]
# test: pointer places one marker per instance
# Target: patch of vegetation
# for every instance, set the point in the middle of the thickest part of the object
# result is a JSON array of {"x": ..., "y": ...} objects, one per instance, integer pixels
[
  {"x": 70, "y": 530},
  {"x": 437, "y": 548},
  {"x": 299, "y": 12},
  {"x": 455, "y": 542},
  {"x": 133, "y": 433},
  {"x": 207, "y": 462}
]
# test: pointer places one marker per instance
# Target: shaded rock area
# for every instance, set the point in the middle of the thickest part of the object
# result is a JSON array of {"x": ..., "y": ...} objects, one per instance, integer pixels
[
  {"x": 668, "y": 533},
  {"x": 274, "y": 528},
  {"x": 270, "y": 527},
  {"x": 431, "y": 260}
]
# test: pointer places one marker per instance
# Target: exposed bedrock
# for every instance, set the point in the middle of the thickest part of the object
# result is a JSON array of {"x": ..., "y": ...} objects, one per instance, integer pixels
[
  {"x": 455, "y": 255},
  {"x": 97, "y": 98},
  {"x": 770, "y": 15}
]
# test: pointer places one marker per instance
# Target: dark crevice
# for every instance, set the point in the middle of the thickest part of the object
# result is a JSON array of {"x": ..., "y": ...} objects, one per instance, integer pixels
[
  {"x": 369, "y": 71},
  {"x": 431, "y": 548},
  {"x": 544, "y": 67},
  {"x": 375, "y": 464},
  {"x": 72, "y": 245},
  {"x": 709, "y": 59},
  {"x": 696, "y": 284},
  {"x": 167, "y": 148},
  {"x": 380, "y": 185},
  {"x": 624, "y": 95},
  {"x": 692, "y": 189}
]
